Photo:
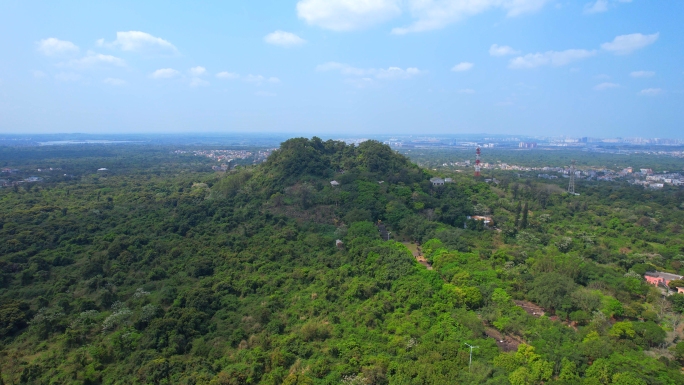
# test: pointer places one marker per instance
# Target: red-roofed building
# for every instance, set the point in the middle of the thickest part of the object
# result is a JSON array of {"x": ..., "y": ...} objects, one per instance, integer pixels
[{"x": 657, "y": 278}]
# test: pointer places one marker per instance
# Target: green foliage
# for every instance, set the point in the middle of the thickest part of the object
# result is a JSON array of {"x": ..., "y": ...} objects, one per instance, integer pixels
[
  {"x": 612, "y": 307},
  {"x": 165, "y": 272},
  {"x": 677, "y": 301},
  {"x": 568, "y": 371},
  {"x": 526, "y": 367},
  {"x": 627, "y": 379},
  {"x": 551, "y": 290},
  {"x": 679, "y": 351},
  {"x": 622, "y": 330},
  {"x": 13, "y": 317},
  {"x": 362, "y": 229}
]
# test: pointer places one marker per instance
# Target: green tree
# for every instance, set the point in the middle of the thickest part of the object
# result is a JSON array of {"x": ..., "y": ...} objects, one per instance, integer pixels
[
  {"x": 622, "y": 330},
  {"x": 526, "y": 366},
  {"x": 551, "y": 290},
  {"x": 679, "y": 351},
  {"x": 613, "y": 307},
  {"x": 675, "y": 283},
  {"x": 627, "y": 379},
  {"x": 568, "y": 371},
  {"x": 501, "y": 298},
  {"x": 587, "y": 300},
  {"x": 523, "y": 222},
  {"x": 518, "y": 209},
  {"x": 600, "y": 371}
]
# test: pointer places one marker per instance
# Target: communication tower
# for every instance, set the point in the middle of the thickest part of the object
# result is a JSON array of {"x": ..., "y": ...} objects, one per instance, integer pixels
[
  {"x": 477, "y": 161},
  {"x": 571, "y": 186}
]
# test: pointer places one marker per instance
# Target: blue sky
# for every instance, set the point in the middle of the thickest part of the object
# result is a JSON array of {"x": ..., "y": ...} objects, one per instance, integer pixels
[{"x": 539, "y": 67}]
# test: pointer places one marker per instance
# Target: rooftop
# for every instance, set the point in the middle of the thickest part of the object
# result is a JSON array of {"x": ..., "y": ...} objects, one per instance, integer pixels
[{"x": 667, "y": 276}]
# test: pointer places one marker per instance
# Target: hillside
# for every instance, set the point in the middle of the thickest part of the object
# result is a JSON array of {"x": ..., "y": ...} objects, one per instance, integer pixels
[{"x": 168, "y": 273}]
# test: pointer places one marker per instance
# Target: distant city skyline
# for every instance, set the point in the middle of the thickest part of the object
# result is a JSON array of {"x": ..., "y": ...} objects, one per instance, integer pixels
[
  {"x": 270, "y": 139},
  {"x": 588, "y": 68}
]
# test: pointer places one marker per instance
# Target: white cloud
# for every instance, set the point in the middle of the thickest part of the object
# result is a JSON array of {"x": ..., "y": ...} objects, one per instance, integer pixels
[
  {"x": 596, "y": 7},
  {"x": 92, "y": 60},
  {"x": 599, "y": 6},
  {"x": 344, "y": 69},
  {"x": 227, "y": 75},
  {"x": 198, "y": 71},
  {"x": 115, "y": 82},
  {"x": 466, "y": 91},
  {"x": 626, "y": 44},
  {"x": 197, "y": 82},
  {"x": 397, "y": 73},
  {"x": 67, "y": 77},
  {"x": 53, "y": 46},
  {"x": 259, "y": 79},
  {"x": 254, "y": 79},
  {"x": 605, "y": 86},
  {"x": 435, "y": 14},
  {"x": 553, "y": 58},
  {"x": 502, "y": 50},
  {"x": 284, "y": 39},
  {"x": 651, "y": 92},
  {"x": 389, "y": 73},
  {"x": 137, "y": 41},
  {"x": 164, "y": 73},
  {"x": 39, "y": 74},
  {"x": 642, "y": 74},
  {"x": 461, "y": 67},
  {"x": 347, "y": 15}
]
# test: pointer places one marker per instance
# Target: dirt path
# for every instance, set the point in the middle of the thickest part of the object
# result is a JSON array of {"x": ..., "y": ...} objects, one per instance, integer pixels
[
  {"x": 530, "y": 308},
  {"x": 507, "y": 343},
  {"x": 418, "y": 254}
]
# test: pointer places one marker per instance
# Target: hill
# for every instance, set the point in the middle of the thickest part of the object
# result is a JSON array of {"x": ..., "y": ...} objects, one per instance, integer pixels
[{"x": 180, "y": 275}]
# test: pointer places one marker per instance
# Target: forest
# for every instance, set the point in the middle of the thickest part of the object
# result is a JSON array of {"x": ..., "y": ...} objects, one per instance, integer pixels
[{"x": 160, "y": 270}]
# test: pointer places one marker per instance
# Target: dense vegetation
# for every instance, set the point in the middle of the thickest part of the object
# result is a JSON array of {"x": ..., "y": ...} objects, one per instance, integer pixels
[{"x": 164, "y": 272}]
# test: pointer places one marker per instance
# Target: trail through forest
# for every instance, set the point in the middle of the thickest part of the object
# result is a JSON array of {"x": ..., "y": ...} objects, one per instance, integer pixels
[{"x": 418, "y": 254}]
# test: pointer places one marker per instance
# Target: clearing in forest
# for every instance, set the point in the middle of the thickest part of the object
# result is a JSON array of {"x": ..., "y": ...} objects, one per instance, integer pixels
[{"x": 418, "y": 254}]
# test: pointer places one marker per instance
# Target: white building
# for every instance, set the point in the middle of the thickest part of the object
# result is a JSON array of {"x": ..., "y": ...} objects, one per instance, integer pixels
[{"x": 437, "y": 181}]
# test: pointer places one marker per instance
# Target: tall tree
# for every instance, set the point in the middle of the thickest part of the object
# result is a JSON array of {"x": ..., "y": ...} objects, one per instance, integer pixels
[{"x": 523, "y": 223}]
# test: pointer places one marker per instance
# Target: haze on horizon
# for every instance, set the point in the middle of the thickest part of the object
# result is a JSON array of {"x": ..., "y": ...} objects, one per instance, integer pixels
[{"x": 597, "y": 68}]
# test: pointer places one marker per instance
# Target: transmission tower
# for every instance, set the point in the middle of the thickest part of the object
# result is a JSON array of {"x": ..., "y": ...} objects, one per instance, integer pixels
[
  {"x": 571, "y": 186},
  {"x": 477, "y": 161}
]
